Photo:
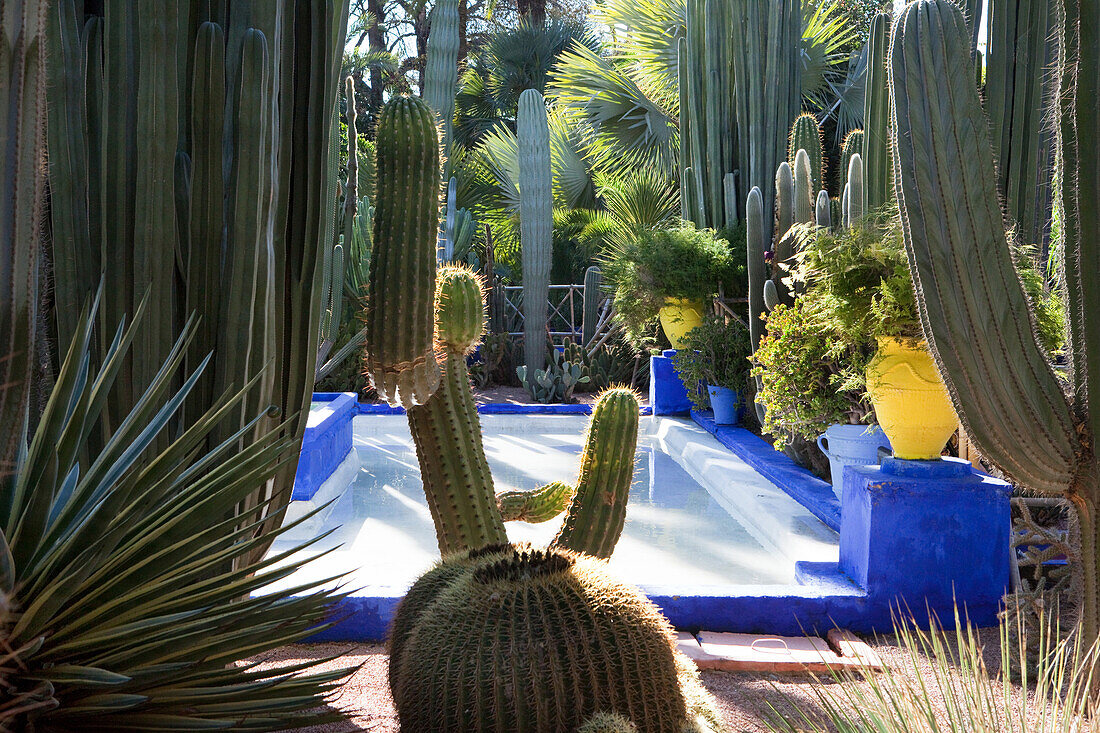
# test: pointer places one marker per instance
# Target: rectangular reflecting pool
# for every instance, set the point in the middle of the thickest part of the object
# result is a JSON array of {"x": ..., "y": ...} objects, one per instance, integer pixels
[{"x": 700, "y": 520}]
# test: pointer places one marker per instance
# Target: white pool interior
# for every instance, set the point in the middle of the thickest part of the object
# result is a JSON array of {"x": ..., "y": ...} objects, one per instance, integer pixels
[{"x": 698, "y": 518}]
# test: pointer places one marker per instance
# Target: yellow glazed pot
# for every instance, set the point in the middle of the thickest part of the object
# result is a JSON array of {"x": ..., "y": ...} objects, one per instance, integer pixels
[
  {"x": 678, "y": 316},
  {"x": 910, "y": 399}
]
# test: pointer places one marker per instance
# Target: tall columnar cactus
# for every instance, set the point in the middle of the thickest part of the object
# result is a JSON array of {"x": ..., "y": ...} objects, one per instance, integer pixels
[
  {"x": 755, "y": 234},
  {"x": 447, "y": 251},
  {"x": 593, "y": 297},
  {"x": 855, "y": 206},
  {"x": 1018, "y": 89},
  {"x": 823, "y": 211},
  {"x": 803, "y": 189},
  {"x": 535, "y": 222},
  {"x": 784, "y": 202},
  {"x": 441, "y": 67},
  {"x": 739, "y": 95},
  {"x": 878, "y": 180},
  {"x": 23, "y": 130},
  {"x": 972, "y": 306},
  {"x": 806, "y": 135},
  {"x": 446, "y": 428},
  {"x": 190, "y": 148},
  {"x": 400, "y": 320},
  {"x": 853, "y": 143}
]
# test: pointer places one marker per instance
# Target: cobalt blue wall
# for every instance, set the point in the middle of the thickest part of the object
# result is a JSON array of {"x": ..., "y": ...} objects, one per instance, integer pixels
[
  {"x": 325, "y": 445},
  {"x": 667, "y": 394}
]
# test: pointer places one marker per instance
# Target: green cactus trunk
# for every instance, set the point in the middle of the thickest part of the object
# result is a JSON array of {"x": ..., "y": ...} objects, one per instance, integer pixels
[
  {"x": 1008, "y": 398},
  {"x": 598, "y": 510},
  {"x": 823, "y": 211},
  {"x": 400, "y": 320},
  {"x": 536, "y": 222},
  {"x": 593, "y": 297},
  {"x": 1018, "y": 89},
  {"x": 536, "y": 506},
  {"x": 191, "y": 148},
  {"x": 457, "y": 482},
  {"x": 441, "y": 68},
  {"x": 23, "y": 130},
  {"x": 855, "y": 206},
  {"x": 878, "y": 179},
  {"x": 853, "y": 143},
  {"x": 806, "y": 135},
  {"x": 803, "y": 189}
]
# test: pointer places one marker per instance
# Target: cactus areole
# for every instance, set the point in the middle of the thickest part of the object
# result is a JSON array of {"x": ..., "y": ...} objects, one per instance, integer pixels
[{"x": 972, "y": 306}]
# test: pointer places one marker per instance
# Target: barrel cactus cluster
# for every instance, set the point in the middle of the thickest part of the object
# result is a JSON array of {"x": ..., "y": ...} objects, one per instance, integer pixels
[{"x": 462, "y": 636}]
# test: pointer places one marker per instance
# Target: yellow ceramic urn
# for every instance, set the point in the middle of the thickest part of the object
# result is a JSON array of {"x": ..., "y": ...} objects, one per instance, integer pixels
[
  {"x": 910, "y": 399},
  {"x": 678, "y": 316}
]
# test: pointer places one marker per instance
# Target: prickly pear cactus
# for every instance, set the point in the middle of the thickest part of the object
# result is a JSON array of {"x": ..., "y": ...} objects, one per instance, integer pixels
[
  {"x": 400, "y": 318},
  {"x": 599, "y": 646}
]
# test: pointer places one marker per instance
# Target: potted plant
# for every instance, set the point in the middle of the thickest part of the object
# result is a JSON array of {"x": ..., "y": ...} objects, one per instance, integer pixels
[
  {"x": 666, "y": 273},
  {"x": 716, "y": 353}
]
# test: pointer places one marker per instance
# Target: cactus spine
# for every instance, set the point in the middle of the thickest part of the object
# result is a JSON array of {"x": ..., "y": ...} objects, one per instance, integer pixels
[
  {"x": 536, "y": 221},
  {"x": 441, "y": 67},
  {"x": 400, "y": 322},
  {"x": 806, "y": 135},
  {"x": 1011, "y": 403},
  {"x": 593, "y": 297},
  {"x": 878, "y": 180}
]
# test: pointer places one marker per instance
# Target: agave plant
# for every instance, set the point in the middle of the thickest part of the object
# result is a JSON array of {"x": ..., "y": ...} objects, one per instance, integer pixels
[{"x": 125, "y": 601}]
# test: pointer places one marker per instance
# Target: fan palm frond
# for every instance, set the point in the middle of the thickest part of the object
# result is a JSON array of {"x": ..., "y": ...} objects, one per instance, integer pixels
[
  {"x": 826, "y": 32},
  {"x": 639, "y": 202},
  {"x": 647, "y": 33},
  {"x": 522, "y": 58},
  {"x": 628, "y": 127}
]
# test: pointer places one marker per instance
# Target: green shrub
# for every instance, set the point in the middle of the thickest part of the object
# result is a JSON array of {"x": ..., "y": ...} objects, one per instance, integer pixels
[
  {"x": 811, "y": 377},
  {"x": 671, "y": 263},
  {"x": 716, "y": 353}
]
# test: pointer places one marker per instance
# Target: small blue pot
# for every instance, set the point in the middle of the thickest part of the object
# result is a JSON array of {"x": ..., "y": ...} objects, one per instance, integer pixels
[
  {"x": 851, "y": 445},
  {"x": 726, "y": 404}
]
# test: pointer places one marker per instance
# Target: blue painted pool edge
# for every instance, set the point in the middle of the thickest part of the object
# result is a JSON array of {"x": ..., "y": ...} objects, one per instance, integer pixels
[
  {"x": 325, "y": 445},
  {"x": 808, "y": 490},
  {"x": 500, "y": 408}
]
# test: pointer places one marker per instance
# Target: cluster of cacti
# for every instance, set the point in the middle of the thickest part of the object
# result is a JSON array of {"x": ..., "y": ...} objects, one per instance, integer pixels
[
  {"x": 878, "y": 186},
  {"x": 740, "y": 90},
  {"x": 23, "y": 89},
  {"x": 400, "y": 320},
  {"x": 806, "y": 135},
  {"x": 973, "y": 308},
  {"x": 594, "y": 296},
  {"x": 535, "y": 221},
  {"x": 463, "y": 644},
  {"x": 555, "y": 383},
  {"x": 184, "y": 166},
  {"x": 1018, "y": 90},
  {"x": 604, "y": 365},
  {"x": 441, "y": 67}
]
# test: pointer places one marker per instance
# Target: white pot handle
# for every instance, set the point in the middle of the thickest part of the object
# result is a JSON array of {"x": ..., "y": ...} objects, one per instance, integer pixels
[{"x": 823, "y": 444}]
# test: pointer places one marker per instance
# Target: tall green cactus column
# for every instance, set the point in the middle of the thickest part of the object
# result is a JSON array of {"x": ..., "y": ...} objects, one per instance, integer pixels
[
  {"x": 593, "y": 296},
  {"x": 401, "y": 319},
  {"x": 973, "y": 309},
  {"x": 878, "y": 179},
  {"x": 447, "y": 431},
  {"x": 535, "y": 222},
  {"x": 806, "y": 135},
  {"x": 22, "y": 157},
  {"x": 441, "y": 67}
]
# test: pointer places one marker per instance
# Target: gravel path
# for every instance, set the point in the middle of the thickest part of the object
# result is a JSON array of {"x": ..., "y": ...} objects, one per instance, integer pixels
[{"x": 745, "y": 699}]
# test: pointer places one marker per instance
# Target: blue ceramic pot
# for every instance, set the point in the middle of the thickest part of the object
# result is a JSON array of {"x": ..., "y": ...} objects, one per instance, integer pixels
[{"x": 726, "y": 404}]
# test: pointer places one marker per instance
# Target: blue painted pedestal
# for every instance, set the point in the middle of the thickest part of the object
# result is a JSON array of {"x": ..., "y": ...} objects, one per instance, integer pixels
[
  {"x": 667, "y": 394},
  {"x": 928, "y": 534}
]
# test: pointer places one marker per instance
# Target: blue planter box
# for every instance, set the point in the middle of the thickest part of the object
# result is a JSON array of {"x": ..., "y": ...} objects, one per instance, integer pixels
[
  {"x": 667, "y": 394},
  {"x": 327, "y": 441}
]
